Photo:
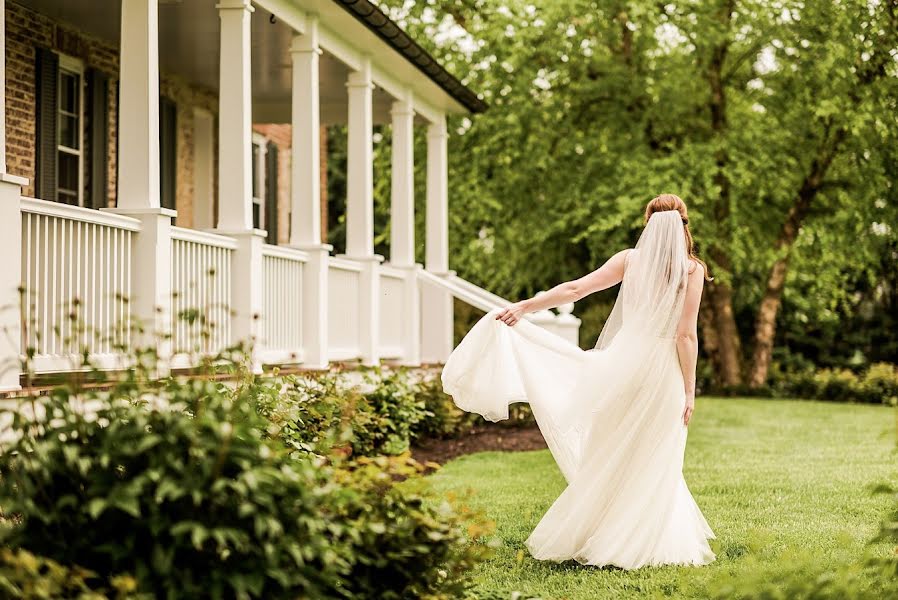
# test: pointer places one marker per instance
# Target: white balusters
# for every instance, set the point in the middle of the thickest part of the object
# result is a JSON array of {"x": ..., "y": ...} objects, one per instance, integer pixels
[
  {"x": 77, "y": 280},
  {"x": 282, "y": 335},
  {"x": 201, "y": 293}
]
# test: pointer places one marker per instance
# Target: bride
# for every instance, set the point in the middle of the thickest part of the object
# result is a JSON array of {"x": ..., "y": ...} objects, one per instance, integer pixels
[{"x": 615, "y": 417}]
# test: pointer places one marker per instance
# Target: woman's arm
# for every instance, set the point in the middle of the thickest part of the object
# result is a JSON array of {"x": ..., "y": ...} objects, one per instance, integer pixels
[
  {"x": 687, "y": 337},
  {"x": 609, "y": 274}
]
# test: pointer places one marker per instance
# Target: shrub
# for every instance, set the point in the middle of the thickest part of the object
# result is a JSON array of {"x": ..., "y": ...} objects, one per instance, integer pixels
[
  {"x": 836, "y": 384},
  {"x": 191, "y": 505},
  {"x": 309, "y": 414},
  {"x": 404, "y": 545},
  {"x": 24, "y": 576},
  {"x": 178, "y": 485},
  {"x": 389, "y": 413},
  {"x": 443, "y": 419},
  {"x": 880, "y": 384}
]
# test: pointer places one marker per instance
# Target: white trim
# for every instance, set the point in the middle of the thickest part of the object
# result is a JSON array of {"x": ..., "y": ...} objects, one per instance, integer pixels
[
  {"x": 339, "y": 48},
  {"x": 387, "y": 270},
  {"x": 77, "y": 213},
  {"x": 285, "y": 252},
  {"x": 207, "y": 238},
  {"x": 345, "y": 264},
  {"x": 69, "y": 65},
  {"x": 285, "y": 11},
  {"x": 261, "y": 180}
]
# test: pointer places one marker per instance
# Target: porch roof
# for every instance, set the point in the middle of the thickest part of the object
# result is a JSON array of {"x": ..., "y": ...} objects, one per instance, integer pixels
[
  {"x": 349, "y": 29},
  {"x": 375, "y": 19}
]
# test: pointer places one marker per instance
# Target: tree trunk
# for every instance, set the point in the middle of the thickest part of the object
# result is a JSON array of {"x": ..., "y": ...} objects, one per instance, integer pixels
[
  {"x": 871, "y": 69},
  {"x": 729, "y": 344},
  {"x": 765, "y": 322}
]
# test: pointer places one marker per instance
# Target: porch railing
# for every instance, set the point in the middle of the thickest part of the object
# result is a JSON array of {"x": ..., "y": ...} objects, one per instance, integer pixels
[
  {"x": 76, "y": 277},
  {"x": 281, "y": 327},
  {"x": 201, "y": 292},
  {"x": 344, "y": 279},
  {"x": 392, "y": 284}
]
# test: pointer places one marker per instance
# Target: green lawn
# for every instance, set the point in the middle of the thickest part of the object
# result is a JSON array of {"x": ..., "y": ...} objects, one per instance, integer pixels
[{"x": 773, "y": 478}]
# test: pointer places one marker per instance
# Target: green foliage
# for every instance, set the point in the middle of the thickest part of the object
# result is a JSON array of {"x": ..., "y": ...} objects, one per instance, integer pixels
[
  {"x": 878, "y": 384},
  {"x": 393, "y": 410},
  {"x": 597, "y": 105},
  {"x": 443, "y": 418},
  {"x": 309, "y": 414},
  {"x": 24, "y": 576},
  {"x": 179, "y": 483},
  {"x": 404, "y": 545},
  {"x": 801, "y": 578},
  {"x": 192, "y": 505},
  {"x": 325, "y": 412}
]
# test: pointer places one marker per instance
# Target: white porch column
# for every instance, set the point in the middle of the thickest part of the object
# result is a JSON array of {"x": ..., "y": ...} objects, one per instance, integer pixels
[
  {"x": 436, "y": 246},
  {"x": 235, "y": 117},
  {"x": 138, "y": 129},
  {"x": 305, "y": 195},
  {"x": 402, "y": 226},
  {"x": 235, "y": 171},
  {"x": 138, "y": 165},
  {"x": 306, "y": 172},
  {"x": 436, "y": 304},
  {"x": 360, "y": 209},
  {"x": 402, "y": 199},
  {"x": 360, "y": 165}
]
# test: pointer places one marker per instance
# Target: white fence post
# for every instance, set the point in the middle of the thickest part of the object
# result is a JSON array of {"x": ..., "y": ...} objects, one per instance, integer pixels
[
  {"x": 151, "y": 284},
  {"x": 246, "y": 291},
  {"x": 10, "y": 280},
  {"x": 437, "y": 318}
]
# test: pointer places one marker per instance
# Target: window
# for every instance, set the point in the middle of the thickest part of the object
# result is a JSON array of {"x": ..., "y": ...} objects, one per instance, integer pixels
[
  {"x": 69, "y": 120},
  {"x": 260, "y": 146},
  {"x": 168, "y": 152}
]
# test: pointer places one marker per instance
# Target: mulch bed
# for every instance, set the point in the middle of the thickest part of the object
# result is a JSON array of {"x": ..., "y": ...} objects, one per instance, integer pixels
[{"x": 482, "y": 438}]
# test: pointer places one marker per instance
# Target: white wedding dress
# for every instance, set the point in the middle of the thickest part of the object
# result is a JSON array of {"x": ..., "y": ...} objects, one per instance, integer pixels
[{"x": 612, "y": 417}]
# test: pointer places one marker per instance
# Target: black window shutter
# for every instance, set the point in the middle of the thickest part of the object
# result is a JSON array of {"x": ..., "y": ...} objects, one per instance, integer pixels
[
  {"x": 98, "y": 94},
  {"x": 46, "y": 105},
  {"x": 271, "y": 193},
  {"x": 168, "y": 152}
]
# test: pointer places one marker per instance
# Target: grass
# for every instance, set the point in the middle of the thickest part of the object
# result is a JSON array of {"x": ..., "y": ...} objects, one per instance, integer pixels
[{"x": 774, "y": 478}]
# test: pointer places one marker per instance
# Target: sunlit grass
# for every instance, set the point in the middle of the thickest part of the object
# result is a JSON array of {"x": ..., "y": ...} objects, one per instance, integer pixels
[{"x": 774, "y": 478}]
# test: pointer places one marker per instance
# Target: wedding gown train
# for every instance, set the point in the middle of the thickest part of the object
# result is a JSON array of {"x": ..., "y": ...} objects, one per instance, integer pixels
[{"x": 611, "y": 416}]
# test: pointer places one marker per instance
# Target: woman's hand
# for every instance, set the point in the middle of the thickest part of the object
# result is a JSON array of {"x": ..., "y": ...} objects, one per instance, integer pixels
[
  {"x": 511, "y": 314},
  {"x": 689, "y": 408}
]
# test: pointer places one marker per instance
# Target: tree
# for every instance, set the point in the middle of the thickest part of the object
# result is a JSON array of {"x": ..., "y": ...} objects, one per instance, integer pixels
[{"x": 774, "y": 120}]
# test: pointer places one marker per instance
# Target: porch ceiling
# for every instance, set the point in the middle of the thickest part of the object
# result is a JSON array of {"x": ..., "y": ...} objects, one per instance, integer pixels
[{"x": 189, "y": 48}]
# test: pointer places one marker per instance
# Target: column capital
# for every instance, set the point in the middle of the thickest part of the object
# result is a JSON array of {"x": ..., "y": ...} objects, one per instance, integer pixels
[
  {"x": 362, "y": 77},
  {"x": 402, "y": 108},
  {"x": 308, "y": 40},
  {"x": 437, "y": 130}
]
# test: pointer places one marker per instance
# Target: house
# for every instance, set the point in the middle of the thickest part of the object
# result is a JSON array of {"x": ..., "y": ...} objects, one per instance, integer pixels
[{"x": 161, "y": 161}]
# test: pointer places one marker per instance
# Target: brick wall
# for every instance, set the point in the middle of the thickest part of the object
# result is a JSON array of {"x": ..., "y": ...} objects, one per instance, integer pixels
[
  {"x": 281, "y": 136},
  {"x": 27, "y": 29}
]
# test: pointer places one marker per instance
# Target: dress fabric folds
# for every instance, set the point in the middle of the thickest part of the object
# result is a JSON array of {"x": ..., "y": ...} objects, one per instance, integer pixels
[{"x": 611, "y": 417}]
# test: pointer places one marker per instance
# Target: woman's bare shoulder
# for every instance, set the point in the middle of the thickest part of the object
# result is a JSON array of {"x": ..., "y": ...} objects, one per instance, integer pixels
[{"x": 696, "y": 268}]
